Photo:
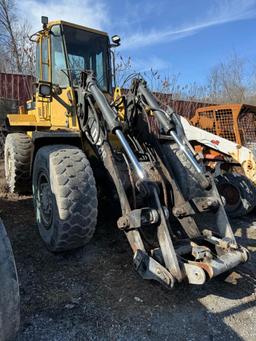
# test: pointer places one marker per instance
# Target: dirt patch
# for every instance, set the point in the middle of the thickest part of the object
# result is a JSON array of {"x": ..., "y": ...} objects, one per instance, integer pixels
[{"x": 94, "y": 293}]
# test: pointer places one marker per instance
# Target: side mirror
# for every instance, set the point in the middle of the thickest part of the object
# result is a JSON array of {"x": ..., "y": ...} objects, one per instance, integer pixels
[
  {"x": 45, "y": 89},
  {"x": 116, "y": 40}
]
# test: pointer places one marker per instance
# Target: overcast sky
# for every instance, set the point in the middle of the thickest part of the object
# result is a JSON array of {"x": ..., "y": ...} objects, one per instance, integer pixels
[{"x": 175, "y": 36}]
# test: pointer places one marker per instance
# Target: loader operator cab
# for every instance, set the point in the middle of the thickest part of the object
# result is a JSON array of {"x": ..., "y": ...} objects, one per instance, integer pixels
[{"x": 64, "y": 50}]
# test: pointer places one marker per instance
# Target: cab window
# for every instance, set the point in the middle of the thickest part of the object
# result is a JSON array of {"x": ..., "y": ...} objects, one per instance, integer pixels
[
  {"x": 45, "y": 59},
  {"x": 59, "y": 67},
  {"x": 87, "y": 51},
  {"x": 37, "y": 62}
]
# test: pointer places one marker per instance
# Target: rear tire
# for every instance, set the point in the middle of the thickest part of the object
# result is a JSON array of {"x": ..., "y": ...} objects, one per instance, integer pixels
[
  {"x": 65, "y": 197},
  {"x": 9, "y": 290},
  {"x": 17, "y": 152},
  {"x": 239, "y": 193}
]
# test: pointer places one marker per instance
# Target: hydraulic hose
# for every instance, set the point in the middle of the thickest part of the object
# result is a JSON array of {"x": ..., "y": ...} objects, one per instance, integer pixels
[{"x": 113, "y": 123}]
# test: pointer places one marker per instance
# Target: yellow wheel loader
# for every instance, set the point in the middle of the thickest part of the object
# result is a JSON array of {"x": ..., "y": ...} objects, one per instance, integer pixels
[{"x": 74, "y": 134}]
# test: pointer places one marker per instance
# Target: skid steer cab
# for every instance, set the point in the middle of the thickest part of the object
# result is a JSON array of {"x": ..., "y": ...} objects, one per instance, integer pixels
[{"x": 73, "y": 136}]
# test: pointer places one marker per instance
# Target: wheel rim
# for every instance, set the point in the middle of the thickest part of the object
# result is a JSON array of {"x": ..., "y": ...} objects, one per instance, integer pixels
[
  {"x": 231, "y": 194},
  {"x": 45, "y": 200}
]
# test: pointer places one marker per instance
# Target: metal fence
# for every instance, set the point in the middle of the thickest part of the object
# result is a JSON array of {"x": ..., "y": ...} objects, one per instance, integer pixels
[{"x": 16, "y": 87}]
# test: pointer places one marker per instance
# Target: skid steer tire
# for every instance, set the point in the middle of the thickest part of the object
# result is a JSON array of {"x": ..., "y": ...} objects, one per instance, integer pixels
[
  {"x": 18, "y": 148},
  {"x": 65, "y": 197},
  {"x": 239, "y": 193},
  {"x": 9, "y": 290},
  {"x": 186, "y": 174}
]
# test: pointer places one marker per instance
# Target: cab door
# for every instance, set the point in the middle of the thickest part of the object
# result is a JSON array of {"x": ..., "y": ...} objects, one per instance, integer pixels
[{"x": 60, "y": 117}]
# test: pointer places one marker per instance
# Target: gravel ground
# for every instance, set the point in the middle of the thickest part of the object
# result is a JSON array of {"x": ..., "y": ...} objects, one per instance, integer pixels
[{"x": 94, "y": 293}]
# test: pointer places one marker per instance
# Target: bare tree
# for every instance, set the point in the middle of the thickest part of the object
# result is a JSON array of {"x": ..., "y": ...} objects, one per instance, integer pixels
[
  {"x": 232, "y": 80},
  {"x": 123, "y": 69},
  {"x": 8, "y": 21},
  {"x": 17, "y": 52},
  {"x": 226, "y": 81},
  {"x": 3, "y": 61}
]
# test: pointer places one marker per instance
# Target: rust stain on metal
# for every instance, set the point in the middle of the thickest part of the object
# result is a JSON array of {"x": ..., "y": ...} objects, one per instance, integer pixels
[{"x": 206, "y": 267}]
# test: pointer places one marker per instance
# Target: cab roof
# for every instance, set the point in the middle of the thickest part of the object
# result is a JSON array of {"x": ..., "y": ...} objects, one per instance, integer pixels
[{"x": 61, "y": 22}]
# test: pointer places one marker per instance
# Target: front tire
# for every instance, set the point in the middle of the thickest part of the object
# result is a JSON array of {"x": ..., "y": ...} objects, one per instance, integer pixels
[
  {"x": 65, "y": 197},
  {"x": 9, "y": 290}
]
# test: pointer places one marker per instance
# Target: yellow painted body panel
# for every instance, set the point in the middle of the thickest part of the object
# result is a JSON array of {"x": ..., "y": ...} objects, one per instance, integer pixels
[
  {"x": 119, "y": 100},
  {"x": 48, "y": 113},
  {"x": 59, "y": 115},
  {"x": 42, "y": 111},
  {"x": 27, "y": 120}
]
